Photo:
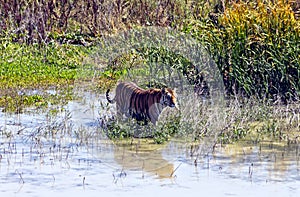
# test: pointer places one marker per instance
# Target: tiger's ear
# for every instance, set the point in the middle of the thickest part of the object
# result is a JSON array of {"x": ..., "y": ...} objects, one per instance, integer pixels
[{"x": 163, "y": 90}]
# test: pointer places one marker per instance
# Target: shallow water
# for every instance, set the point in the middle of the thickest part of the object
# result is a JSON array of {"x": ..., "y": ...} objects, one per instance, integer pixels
[{"x": 76, "y": 158}]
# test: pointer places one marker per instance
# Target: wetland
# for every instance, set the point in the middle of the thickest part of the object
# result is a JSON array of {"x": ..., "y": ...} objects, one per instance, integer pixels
[
  {"x": 235, "y": 67},
  {"x": 68, "y": 153}
]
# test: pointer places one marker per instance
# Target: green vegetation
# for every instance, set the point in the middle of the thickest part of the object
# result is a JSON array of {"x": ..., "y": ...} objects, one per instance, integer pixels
[
  {"x": 147, "y": 62},
  {"x": 128, "y": 129},
  {"x": 256, "y": 47},
  {"x": 27, "y": 71},
  {"x": 255, "y": 44},
  {"x": 35, "y": 66},
  {"x": 246, "y": 39}
]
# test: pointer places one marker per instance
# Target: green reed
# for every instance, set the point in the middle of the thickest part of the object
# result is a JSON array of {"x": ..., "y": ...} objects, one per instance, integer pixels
[{"x": 256, "y": 46}]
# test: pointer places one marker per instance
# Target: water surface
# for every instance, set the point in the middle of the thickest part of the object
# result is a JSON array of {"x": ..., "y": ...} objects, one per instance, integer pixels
[{"x": 66, "y": 153}]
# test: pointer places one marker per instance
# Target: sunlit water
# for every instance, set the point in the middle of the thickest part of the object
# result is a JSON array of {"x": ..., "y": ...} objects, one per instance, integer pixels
[{"x": 77, "y": 159}]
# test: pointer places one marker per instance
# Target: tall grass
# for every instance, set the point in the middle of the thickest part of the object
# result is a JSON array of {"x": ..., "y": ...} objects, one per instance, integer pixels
[
  {"x": 254, "y": 43},
  {"x": 256, "y": 46},
  {"x": 42, "y": 20}
]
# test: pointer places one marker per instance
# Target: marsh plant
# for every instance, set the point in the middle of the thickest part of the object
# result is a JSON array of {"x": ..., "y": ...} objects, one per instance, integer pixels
[
  {"x": 247, "y": 40},
  {"x": 212, "y": 124},
  {"x": 127, "y": 128}
]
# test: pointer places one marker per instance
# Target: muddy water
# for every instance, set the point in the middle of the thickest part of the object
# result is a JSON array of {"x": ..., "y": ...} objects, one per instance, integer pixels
[{"x": 65, "y": 153}]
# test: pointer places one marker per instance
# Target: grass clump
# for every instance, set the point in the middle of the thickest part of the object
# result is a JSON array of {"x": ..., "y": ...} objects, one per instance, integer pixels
[{"x": 127, "y": 129}]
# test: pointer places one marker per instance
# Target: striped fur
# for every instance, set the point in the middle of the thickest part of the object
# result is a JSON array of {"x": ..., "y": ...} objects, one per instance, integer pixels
[{"x": 143, "y": 105}]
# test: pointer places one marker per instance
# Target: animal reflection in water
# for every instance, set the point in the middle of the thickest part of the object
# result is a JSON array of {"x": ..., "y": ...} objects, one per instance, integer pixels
[
  {"x": 142, "y": 105},
  {"x": 133, "y": 157}
]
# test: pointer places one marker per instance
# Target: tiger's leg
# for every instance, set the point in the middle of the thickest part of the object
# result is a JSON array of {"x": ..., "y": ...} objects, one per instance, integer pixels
[
  {"x": 153, "y": 114},
  {"x": 141, "y": 118},
  {"x": 127, "y": 113},
  {"x": 119, "y": 112}
]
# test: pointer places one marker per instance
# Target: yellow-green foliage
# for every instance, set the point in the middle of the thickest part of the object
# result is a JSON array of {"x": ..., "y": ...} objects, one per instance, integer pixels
[
  {"x": 256, "y": 46},
  {"x": 259, "y": 21}
]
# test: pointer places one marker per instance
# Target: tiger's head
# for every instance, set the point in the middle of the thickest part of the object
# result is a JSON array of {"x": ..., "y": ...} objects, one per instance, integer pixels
[{"x": 168, "y": 97}]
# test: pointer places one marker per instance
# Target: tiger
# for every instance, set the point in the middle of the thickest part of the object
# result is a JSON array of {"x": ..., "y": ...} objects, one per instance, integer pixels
[{"x": 142, "y": 105}]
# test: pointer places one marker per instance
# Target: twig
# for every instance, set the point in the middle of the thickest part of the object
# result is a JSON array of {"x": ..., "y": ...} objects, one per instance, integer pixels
[
  {"x": 22, "y": 180},
  {"x": 171, "y": 175}
]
